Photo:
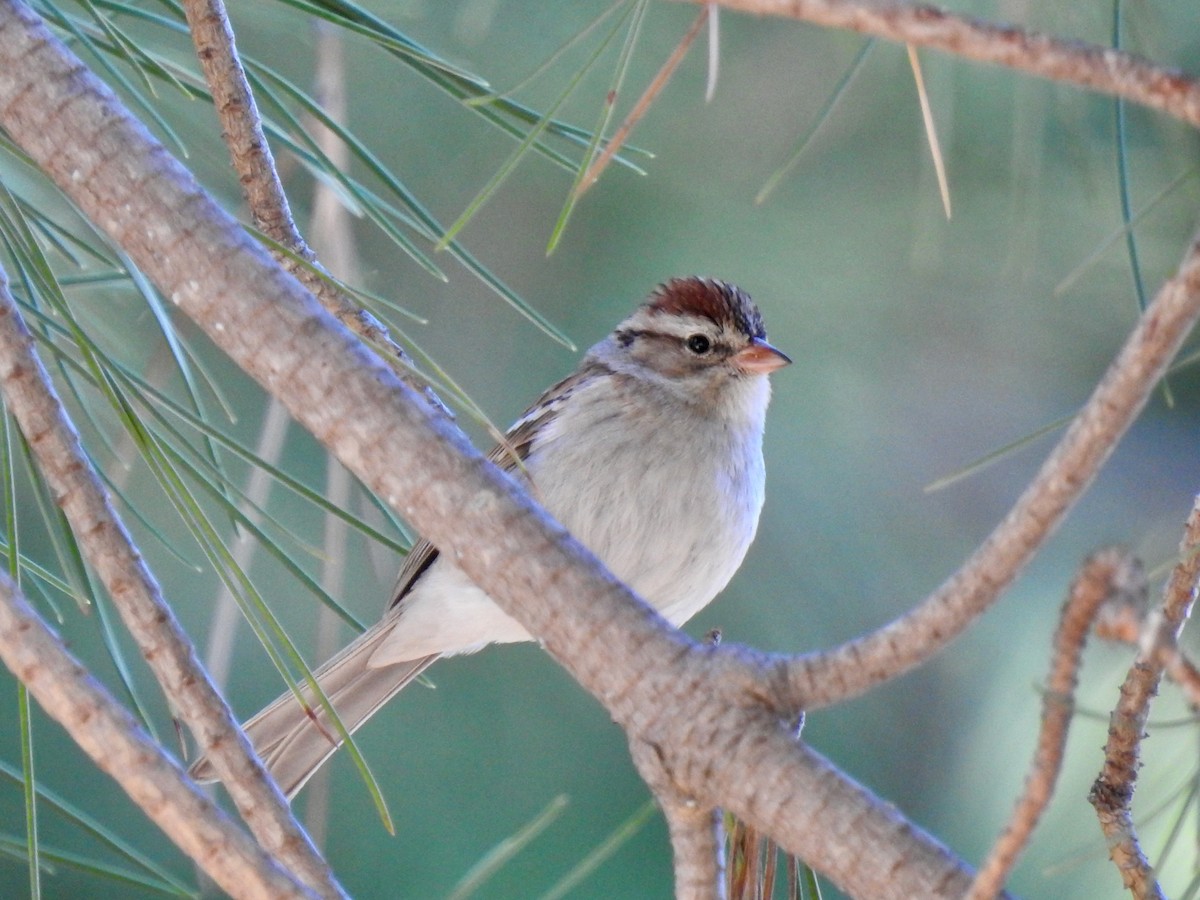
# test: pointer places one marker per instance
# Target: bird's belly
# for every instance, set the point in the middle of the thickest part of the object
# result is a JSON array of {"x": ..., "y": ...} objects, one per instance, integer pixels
[{"x": 675, "y": 542}]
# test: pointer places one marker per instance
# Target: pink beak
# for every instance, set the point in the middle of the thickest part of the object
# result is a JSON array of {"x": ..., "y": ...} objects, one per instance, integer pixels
[{"x": 760, "y": 358}]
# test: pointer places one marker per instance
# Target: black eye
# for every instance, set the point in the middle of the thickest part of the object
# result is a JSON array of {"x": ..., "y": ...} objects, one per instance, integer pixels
[{"x": 699, "y": 344}]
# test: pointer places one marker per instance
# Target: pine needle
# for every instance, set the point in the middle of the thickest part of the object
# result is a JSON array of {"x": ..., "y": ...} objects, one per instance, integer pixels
[
  {"x": 935, "y": 150},
  {"x": 714, "y": 51},
  {"x": 644, "y": 102},
  {"x": 822, "y": 117}
]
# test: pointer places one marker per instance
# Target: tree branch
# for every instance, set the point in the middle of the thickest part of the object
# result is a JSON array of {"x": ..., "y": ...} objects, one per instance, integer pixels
[
  {"x": 1112, "y": 793},
  {"x": 828, "y": 677},
  {"x": 99, "y": 531},
  {"x": 823, "y": 678},
  {"x": 696, "y": 849},
  {"x": 1124, "y": 619},
  {"x": 1071, "y": 62},
  {"x": 1104, "y": 575},
  {"x": 241, "y": 127},
  {"x": 694, "y": 828},
  {"x": 118, "y": 746}
]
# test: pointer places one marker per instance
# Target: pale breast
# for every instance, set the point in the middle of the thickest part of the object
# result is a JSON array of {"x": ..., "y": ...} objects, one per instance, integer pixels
[{"x": 670, "y": 506}]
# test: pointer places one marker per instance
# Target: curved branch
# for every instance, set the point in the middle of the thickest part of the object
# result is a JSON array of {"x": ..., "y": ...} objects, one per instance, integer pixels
[
  {"x": 112, "y": 738},
  {"x": 1124, "y": 621},
  {"x": 1112, "y": 792},
  {"x": 99, "y": 531},
  {"x": 823, "y": 678},
  {"x": 1072, "y": 62},
  {"x": 1103, "y": 576}
]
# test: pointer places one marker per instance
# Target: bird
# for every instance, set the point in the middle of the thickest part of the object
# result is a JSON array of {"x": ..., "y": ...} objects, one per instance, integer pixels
[{"x": 650, "y": 453}]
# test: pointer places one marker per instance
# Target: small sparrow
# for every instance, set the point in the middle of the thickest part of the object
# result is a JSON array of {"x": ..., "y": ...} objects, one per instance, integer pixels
[{"x": 650, "y": 453}]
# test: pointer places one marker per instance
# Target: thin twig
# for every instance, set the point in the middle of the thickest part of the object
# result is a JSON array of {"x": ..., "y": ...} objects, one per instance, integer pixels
[
  {"x": 621, "y": 135},
  {"x": 1123, "y": 620},
  {"x": 1105, "y": 574},
  {"x": 68, "y": 472},
  {"x": 1185, "y": 674},
  {"x": 112, "y": 738},
  {"x": 241, "y": 126},
  {"x": 1112, "y": 792},
  {"x": 1071, "y": 62}
]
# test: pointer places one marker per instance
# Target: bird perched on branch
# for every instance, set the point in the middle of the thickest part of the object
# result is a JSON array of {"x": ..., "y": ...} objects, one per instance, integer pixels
[{"x": 650, "y": 453}]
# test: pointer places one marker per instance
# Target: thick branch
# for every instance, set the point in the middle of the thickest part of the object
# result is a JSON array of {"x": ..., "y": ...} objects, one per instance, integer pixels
[
  {"x": 1071, "y": 62},
  {"x": 695, "y": 844},
  {"x": 703, "y": 706},
  {"x": 68, "y": 472},
  {"x": 694, "y": 828},
  {"x": 111, "y": 737}
]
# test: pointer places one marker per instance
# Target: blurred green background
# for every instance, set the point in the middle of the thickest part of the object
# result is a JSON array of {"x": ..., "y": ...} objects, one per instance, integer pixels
[{"x": 921, "y": 345}]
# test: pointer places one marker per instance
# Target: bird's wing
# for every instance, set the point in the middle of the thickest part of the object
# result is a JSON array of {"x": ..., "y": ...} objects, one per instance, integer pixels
[{"x": 509, "y": 455}]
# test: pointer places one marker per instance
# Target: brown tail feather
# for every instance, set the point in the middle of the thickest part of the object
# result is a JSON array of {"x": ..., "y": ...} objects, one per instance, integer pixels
[{"x": 293, "y": 741}]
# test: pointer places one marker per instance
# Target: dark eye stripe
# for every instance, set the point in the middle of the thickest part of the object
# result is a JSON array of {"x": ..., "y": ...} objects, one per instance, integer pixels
[{"x": 626, "y": 336}]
